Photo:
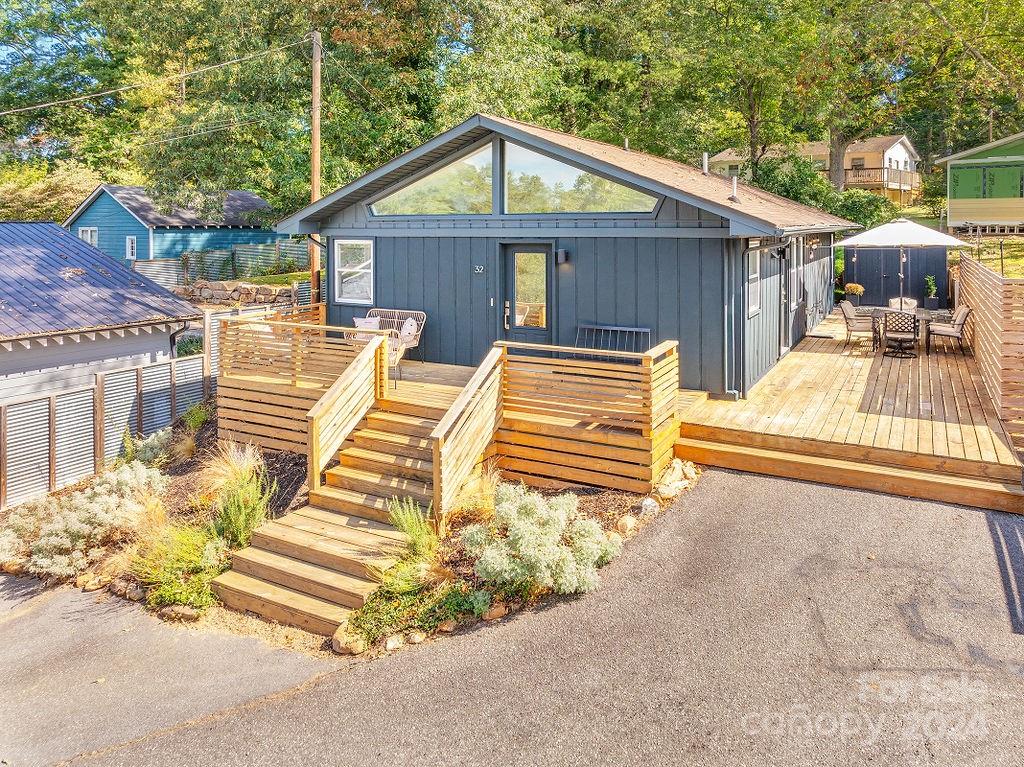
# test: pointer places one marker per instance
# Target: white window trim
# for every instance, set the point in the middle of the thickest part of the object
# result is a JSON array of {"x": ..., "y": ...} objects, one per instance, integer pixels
[
  {"x": 371, "y": 269},
  {"x": 134, "y": 250},
  {"x": 754, "y": 283},
  {"x": 95, "y": 235}
]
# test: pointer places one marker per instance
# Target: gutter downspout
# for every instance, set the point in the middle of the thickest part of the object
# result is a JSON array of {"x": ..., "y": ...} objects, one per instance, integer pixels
[{"x": 174, "y": 339}]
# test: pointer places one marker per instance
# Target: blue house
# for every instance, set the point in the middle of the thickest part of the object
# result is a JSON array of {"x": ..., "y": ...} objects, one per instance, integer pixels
[{"x": 125, "y": 223}]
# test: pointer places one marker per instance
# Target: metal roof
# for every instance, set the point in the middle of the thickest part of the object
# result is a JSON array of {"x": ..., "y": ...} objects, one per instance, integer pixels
[
  {"x": 709, "y": 192},
  {"x": 56, "y": 283},
  {"x": 238, "y": 207}
]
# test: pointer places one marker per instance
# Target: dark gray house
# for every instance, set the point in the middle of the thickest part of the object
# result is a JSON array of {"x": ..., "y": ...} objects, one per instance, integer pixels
[{"x": 501, "y": 229}]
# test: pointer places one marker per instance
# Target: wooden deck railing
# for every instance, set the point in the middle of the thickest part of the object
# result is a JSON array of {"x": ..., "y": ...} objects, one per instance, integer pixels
[
  {"x": 342, "y": 407},
  {"x": 271, "y": 373},
  {"x": 466, "y": 431},
  {"x": 556, "y": 415}
]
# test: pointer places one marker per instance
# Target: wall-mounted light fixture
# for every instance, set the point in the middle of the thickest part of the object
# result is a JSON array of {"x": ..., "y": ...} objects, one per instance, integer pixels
[{"x": 561, "y": 256}]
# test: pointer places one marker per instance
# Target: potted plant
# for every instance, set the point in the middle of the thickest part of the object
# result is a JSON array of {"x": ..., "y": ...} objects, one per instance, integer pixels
[
  {"x": 931, "y": 290},
  {"x": 853, "y": 292}
]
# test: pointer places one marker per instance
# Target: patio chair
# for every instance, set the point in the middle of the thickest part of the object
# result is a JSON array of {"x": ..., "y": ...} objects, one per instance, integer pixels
[
  {"x": 857, "y": 323},
  {"x": 899, "y": 333},
  {"x": 952, "y": 329},
  {"x": 407, "y": 323},
  {"x": 903, "y": 304}
]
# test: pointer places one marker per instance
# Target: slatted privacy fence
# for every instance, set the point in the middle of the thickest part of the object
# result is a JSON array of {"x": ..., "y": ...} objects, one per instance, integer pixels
[
  {"x": 995, "y": 331},
  {"x": 51, "y": 440},
  {"x": 463, "y": 436},
  {"x": 271, "y": 373}
]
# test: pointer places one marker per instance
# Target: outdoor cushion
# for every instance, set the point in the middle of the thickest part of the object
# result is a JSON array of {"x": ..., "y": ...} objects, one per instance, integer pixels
[
  {"x": 407, "y": 335},
  {"x": 943, "y": 329},
  {"x": 370, "y": 323}
]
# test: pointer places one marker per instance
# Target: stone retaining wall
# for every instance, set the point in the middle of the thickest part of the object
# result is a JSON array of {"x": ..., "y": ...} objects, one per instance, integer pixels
[{"x": 234, "y": 293}]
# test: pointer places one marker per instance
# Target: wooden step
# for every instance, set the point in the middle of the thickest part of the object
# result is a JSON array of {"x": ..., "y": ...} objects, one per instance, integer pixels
[
  {"x": 400, "y": 423},
  {"x": 375, "y": 460},
  {"x": 375, "y": 483},
  {"x": 348, "y": 501},
  {"x": 269, "y": 600},
  {"x": 936, "y": 486},
  {"x": 306, "y": 578},
  {"x": 328, "y": 551},
  {"x": 329, "y": 526},
  {"x": 860, "y": 453},
  {"x": 383, "y": 529},
  {"x": 412, "y": 408},
  {"x": 399, "y": 444}
]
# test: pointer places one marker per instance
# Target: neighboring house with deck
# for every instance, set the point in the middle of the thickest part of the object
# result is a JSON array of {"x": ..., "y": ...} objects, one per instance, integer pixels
[
  {"x": 985, "y": 187},
  {"x": 127, "y": 224},
  {"x": 885, "y": 165},
  {"x": 502, "y": 230},
  {"x": 67, "y": 312}
]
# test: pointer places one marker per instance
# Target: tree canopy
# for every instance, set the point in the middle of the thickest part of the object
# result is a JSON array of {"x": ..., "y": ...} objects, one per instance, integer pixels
[{"x": 675, "y": 77}]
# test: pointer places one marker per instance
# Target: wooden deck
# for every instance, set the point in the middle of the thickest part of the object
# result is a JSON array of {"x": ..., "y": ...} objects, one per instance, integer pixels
[
  {"x": 429, "y": 384},
  {"x": 831, "y": 410}
]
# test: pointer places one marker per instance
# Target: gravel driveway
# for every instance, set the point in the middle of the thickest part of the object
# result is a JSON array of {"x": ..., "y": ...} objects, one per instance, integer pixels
[{"x": 763, "y": 621}]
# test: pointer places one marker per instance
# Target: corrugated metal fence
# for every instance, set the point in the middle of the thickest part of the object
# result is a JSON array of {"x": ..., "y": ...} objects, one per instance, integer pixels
[
  {"x": 237, "y": 262},
  {"x": 49, "y": 441}
]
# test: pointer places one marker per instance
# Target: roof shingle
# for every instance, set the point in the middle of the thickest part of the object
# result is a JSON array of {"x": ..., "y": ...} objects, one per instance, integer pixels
[{"x": 239, "y": 206}]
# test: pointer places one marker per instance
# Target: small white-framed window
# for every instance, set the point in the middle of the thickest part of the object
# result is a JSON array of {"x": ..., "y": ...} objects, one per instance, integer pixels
[
  {"x": 753, "y": 283},
  {"x": 130, "y": 247},
  {"x": 90, "y": 234},
  {"x": 353, "y": 271}
]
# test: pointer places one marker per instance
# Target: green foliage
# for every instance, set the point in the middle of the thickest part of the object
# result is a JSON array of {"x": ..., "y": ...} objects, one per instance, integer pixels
[
  {"x": 933, "y": 193},
  {"x": 61, "y": 536},
  {"x": 931, "y": 288},
  {"x": 864, "y": 207},
  {"x": 188, "y": 346},
  {"x": 407, "y": 516},
  {"x": 242, "y": 505},
  {"x": 153, "y": 450},
  {"x": 537, "y": 543},
  {"x": 38, "y": 191},
  {"x": 389, "y": 611},
  {"x": 196, "y": 416},
  {"x": 177, "y": 565}
]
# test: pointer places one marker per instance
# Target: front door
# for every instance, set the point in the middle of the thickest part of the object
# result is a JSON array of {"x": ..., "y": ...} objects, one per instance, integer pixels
[{"x": 527, "y": 303}]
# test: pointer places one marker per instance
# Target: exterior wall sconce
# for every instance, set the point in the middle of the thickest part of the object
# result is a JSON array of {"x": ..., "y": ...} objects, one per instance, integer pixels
[{"x": 561, "y": 256}]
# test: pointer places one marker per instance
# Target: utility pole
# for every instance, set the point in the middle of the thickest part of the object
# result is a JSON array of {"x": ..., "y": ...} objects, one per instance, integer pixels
[{"x": 314, "y": 165}]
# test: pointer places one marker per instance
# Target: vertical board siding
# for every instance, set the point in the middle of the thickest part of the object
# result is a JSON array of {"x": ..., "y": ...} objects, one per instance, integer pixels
[
  {"x": 877, "y": 269},
  {"x": 171, "y": 243},
  {"x": 27, "y": 462},
  {"x": 675, "y": 286},
  {"x": 74, "y": 433},
  {"x": 113, "y": 224}
]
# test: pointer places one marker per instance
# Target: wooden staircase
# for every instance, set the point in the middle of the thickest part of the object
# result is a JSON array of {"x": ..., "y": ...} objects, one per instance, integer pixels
[{"x": 311, "y": 567}]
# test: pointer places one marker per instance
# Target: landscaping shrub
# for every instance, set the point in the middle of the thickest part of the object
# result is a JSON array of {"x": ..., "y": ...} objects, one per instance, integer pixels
[
  {"x": 189, "y": 345},
  {"x": 538, "y": 544},
  {"x": 388, "y": 611},
  {"x": 177, "y": 564},
  {"x": 196, "y": 416},
  {"x": 231, "y": 464},
  {"x": 408, "y": 517},
  {"x": 242, "y": 506},
  {"x": 59, "y": 537},
  {"x": 155, "y": 449}
]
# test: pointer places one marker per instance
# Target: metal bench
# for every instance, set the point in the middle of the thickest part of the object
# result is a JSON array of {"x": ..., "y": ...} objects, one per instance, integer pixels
[{"x": 612, "y": 338}]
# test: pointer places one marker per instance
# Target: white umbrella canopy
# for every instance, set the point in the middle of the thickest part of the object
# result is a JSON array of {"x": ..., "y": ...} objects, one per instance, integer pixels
[{"x": 901, "y": 233}]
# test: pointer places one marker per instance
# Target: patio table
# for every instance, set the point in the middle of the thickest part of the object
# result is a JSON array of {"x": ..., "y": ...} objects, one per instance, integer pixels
[{"x": 924, "y": 318}]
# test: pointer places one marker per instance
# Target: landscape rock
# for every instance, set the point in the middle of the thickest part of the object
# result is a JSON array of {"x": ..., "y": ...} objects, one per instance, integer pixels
[
  {"x": 416, "y": 636},
  {"x": 447, "y": 627},
  {"x": 649, "y": 506},
  {"x": 613, "y": 538},
  {"x": 344, "y": 643},
  {"x": 690, "y": 471},
  {"x": 119, "y": 586},
  {"x": 96, "y": 583},
  {"x": 394, "y": 642},
  {"x": 498, "y": 610},
  {"x": 178, "y": 613},
  {"x": 83, "y": 580},
  {"x": 626, "y": 525},
  {"x": 135, "y": 592},
  {"x": 13, "y": 567}
]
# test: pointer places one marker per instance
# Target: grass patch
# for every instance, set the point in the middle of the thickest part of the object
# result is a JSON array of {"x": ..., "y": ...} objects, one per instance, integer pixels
[
  {"x": 278, "y": 279},
  {"x": 1011, "y": 262}
]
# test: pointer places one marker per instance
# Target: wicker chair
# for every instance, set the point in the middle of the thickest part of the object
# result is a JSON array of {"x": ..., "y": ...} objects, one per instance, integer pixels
[
  {"x": 395, "y": 319},
  {"x": 857, "y": 323},
  {"x": 952, "y": 329},
  {"x": 899, "y": 333}
]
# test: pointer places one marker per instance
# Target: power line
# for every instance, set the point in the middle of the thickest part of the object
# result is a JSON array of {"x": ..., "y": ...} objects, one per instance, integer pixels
[
  {"x": 205, "y": 132},
  {"x": 169, "y": 78},
  {"x": 355, "y": 79}
]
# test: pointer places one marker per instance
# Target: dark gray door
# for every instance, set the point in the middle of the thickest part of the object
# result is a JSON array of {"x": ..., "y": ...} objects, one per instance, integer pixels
[{"x": 527, "y": 303}]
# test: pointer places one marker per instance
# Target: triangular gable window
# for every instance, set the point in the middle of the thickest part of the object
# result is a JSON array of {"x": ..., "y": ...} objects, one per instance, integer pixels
[
  {"x": 535, "y": 183},
  {"x": 459, "y": 188}
]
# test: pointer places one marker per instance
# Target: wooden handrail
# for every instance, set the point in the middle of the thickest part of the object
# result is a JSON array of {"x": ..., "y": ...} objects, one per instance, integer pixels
[
  {"x": 303, "y": 325},
  {"x": 444, "y": 426},
  {"x": 338, "y": 387},
  {"x": 572, "y": 350},
  {"x": 661, "y": 349}
]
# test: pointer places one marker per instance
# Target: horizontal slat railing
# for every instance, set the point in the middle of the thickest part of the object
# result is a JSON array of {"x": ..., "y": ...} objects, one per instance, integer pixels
[
  {"x": 465, "y": 432},
  {"x": 342, "y": 407}
]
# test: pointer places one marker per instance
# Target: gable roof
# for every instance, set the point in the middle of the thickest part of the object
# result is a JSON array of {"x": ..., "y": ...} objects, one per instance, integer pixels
[
  {"x": 880, "y": 144},
  {"x": 768, "y": 212},
  {"x": 990, "y": 145},
  {"x": 238, "y": 205},
  {"x": 56, "y": 283}
]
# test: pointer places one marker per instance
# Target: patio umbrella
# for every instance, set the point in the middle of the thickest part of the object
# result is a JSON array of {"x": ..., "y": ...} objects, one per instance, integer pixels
[{"x": 901, "y": 233}]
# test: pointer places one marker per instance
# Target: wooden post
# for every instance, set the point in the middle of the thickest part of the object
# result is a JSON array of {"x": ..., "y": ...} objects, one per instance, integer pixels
[
  {"x": 52, "y": 467},
  {"x": 313, "y": 454},
  {"x": 98, "y": 439},
  {"x": 207, "y": 351},
  {"x": 380, "y": 362},
  {"x": 438, "y": 502},
  {"x": 314, "y": 164}
]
